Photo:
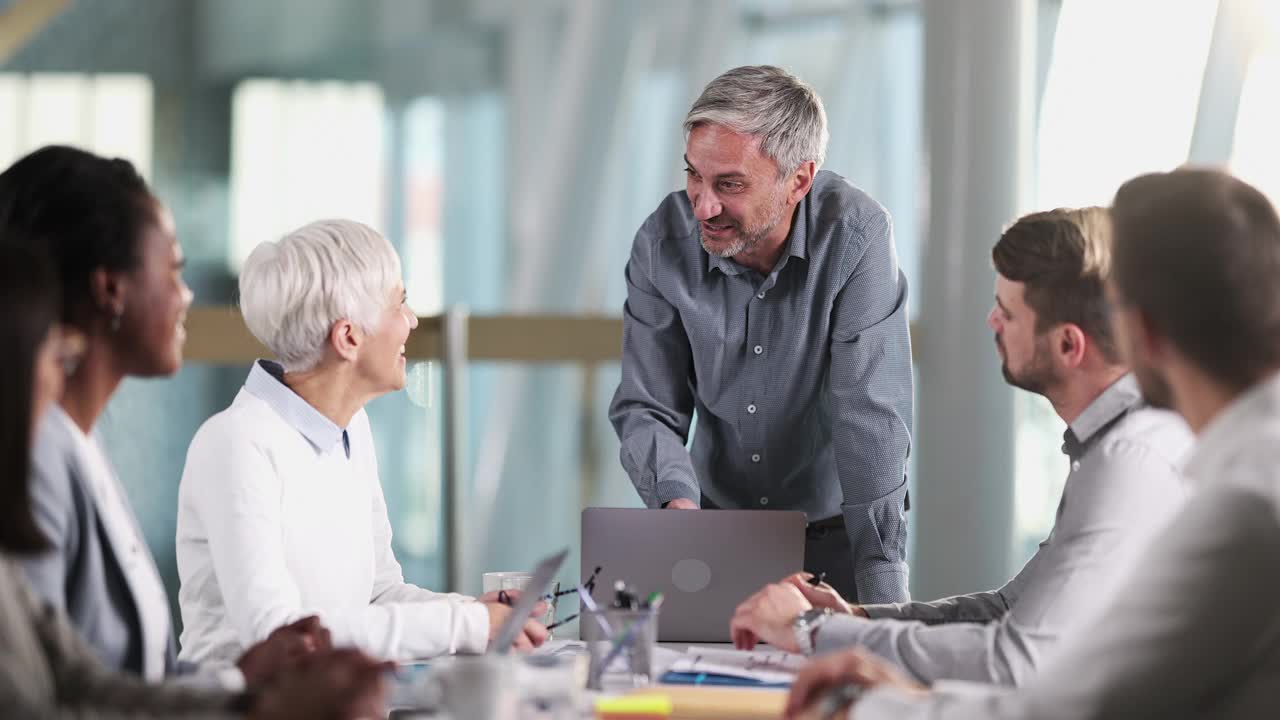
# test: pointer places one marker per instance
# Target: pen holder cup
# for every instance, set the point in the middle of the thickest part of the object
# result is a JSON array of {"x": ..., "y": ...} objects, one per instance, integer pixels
[{"x": 621, "y": 644}]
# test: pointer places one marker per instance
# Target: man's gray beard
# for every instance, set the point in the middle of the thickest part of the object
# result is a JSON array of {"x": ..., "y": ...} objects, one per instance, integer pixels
[
  {"x": 738, "y": 247},
  {"x": 747, "y": 242}
]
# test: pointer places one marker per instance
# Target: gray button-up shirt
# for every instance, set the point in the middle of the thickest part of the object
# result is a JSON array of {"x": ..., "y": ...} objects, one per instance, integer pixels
[
  {"x": 1124, "y": 485},
  {"x": 801, "y": 379},
  {"x": 1192, "y": 631}
]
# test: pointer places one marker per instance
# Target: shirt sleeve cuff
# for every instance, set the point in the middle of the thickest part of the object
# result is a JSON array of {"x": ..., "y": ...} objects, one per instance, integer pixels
[
  {"x": 668, "y": 490},
  {"x": 473, "y": 628},
  {"x": 883, "y": 583},
  {"x": 883, "y": 611},
  {"x": 839, "y": 632}
]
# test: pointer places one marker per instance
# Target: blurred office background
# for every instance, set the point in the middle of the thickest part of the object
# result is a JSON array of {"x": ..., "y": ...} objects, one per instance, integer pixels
[{"x": 510, "y": 149}]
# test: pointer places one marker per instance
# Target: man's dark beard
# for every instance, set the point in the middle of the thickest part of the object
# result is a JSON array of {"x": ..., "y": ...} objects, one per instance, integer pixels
[{"x": 1038, "y": 376}]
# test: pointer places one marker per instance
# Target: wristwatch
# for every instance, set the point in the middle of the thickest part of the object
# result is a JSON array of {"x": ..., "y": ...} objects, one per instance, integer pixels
[{"x": 805, "y": 624}]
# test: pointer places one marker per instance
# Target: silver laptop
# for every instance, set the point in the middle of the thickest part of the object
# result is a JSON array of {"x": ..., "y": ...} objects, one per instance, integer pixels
[{"x": 704, "y": 562}]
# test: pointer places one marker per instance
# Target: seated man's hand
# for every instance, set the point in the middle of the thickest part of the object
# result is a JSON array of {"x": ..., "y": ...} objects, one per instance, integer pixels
[
  {"x": 681, "y": 504},
  {"x": 532, "y": 635},
  {"x": 286, "y": 647},
  {"x": 767, "y": 616},
  {"x": 337, "y": 684},
  {"x": 839, "y": 668},
  {"x": 822, "y": 595}
]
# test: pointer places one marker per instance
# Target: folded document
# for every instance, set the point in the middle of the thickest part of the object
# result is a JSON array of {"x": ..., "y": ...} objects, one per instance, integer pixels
[{"x": 700, "y": 665}]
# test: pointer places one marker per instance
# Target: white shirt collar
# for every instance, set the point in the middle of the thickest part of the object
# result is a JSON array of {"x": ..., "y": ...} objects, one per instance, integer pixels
[
  {"x": 266, "y": 382},
  {"x": 1120, "y": 397}
]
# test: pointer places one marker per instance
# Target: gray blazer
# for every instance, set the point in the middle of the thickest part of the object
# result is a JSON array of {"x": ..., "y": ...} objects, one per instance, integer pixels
[
  {"x": 81, "y": 575},
  {"x": 47, "y": 671}
]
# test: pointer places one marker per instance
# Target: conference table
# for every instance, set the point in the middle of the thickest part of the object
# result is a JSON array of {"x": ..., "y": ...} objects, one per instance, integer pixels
[{"x": 687, "y": 701}]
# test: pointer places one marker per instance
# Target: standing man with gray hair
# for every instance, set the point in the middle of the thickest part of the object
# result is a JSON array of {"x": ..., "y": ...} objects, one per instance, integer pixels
[{"x": 767, "y": 298}]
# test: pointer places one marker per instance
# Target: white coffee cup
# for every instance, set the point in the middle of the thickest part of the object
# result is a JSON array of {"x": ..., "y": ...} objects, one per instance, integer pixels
[{"x": 495, "y": 581}]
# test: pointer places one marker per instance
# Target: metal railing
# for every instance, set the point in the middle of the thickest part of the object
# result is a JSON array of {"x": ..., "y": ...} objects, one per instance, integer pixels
[{"x": 218, "y": 335}]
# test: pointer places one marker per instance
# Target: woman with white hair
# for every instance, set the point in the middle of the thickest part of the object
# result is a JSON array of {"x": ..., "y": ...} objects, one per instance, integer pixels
[{"x": 280, "y": 511}]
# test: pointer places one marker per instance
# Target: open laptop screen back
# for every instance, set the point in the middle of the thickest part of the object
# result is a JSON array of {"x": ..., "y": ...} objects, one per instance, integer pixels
[{"x": 705, "y": 562}]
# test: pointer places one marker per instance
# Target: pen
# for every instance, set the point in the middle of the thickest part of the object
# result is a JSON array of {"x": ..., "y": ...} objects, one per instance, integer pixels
[
  {"x": 589, "y": 603},
  {"x": 590, "y": 585},
  {"x": 816, "y": 580},
  {"x": 558, "y": 623}
]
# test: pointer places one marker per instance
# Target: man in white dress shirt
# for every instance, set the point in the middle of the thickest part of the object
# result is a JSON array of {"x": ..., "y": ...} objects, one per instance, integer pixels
[
  {"x": 1054, "y": 339},
  {"x": 280, "y": 511},
  {"x": 1195, "y": 629}
]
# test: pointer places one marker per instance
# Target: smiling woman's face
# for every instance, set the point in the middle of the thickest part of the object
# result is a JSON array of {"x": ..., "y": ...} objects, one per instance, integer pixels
[
  {"x": 156, "y": 299},
  {"x": 381, "y": 361}
]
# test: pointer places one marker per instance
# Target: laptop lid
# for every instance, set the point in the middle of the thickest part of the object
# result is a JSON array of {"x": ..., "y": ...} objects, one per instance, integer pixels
[{"x": 704, "y": 562}]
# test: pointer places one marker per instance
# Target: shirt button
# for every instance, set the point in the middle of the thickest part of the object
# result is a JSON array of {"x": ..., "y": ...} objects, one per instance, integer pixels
[
  {"x": 751, "y": 409},
  {"x": 760, "y": 294},
  {"x": 758, "y": 349},
  {"x": 764, "y": 501},
  {"x": 755, "y": 457}
]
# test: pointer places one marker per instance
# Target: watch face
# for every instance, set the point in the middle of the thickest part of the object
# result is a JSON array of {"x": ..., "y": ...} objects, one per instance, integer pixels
[{"x": 804, "y": 626}]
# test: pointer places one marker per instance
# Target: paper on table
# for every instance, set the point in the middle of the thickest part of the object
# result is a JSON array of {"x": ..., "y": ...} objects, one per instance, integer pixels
[
  {"x": 763, "y": 666},
  {"x": 562, "y": 647}
]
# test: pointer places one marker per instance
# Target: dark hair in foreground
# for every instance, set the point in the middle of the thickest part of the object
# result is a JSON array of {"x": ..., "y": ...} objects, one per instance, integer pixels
[
  {"x": 1198, "y": 252},
  {"x": 84, "y": 211},
  {"x": 28, "y": 310}
]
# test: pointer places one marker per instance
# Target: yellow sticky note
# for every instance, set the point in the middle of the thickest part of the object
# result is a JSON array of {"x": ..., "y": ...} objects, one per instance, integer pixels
[{"x": 655, "y": 706}]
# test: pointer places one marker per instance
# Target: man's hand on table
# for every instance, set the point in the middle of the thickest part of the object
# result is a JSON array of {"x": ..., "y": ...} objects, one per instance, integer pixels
[
  {"x": 767, "y": 616},
  {"x": 681, "y": 504}
]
